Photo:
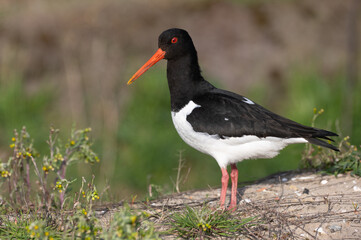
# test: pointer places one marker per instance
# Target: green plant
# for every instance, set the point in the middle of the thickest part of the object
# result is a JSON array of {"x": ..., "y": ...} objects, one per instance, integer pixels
[
  {"x": 204, "y": 221},
  {"x": 78, "y": 220},
  {"x": 52, "y": 190},
  {"x": 349, "y": 160},
  {"x": 52, "y": 211},
  {"x": 127, "y": 224},
  {"x": 331, "y": 162},
  {"x": 16, "y": 172},
  {"x": 84, "y": 224}
]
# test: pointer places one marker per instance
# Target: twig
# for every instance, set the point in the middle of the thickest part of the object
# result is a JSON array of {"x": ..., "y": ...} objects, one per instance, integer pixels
[
  {"x": 179, "y": 169},
  {"x": 250, "y": 232},
  {"x": 41, "y": 179},
  {"x": 62, "y": 171},
  {"x": 27, "y": 179}
]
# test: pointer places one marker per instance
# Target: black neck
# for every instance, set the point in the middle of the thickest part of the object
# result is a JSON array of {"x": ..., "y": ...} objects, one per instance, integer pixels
[{"x": 184, "y": 80}]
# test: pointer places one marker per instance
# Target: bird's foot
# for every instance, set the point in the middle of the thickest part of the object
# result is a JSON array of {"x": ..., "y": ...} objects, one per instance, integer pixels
[{"x": 232, "y": 208}]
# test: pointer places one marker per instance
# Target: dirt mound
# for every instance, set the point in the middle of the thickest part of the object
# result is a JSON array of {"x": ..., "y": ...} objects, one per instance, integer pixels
[{"x": 292, "y": 205}]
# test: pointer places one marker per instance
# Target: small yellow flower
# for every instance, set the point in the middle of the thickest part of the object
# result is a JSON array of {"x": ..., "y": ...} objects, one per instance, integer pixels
[
  {"x": 46, "y": 233},
  {"x": 72, "y": 142},
  {"x": 60, "y": 191},
  {"x": 314, "y": 110},
  {"x": 28, "y": 154},
  {"x": 58, "y": 157},
  {"x": 133, "y": 219},
  {"x": 36, "y": 227},
  {"x": 12, "y": 145},
  {"x": 13, "y": 139},
  {"x": 51, "y": 238},
  {"x": 321, "y": 111},
  {"x": 5, "y": 174}
]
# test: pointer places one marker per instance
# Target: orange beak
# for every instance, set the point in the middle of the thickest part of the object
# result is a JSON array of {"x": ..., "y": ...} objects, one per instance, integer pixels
[{"x": 158, "y": 55}]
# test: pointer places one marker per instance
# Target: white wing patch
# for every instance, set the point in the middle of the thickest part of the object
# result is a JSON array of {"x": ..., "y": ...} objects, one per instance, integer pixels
[
  {"x": 246, "y": 100},
  {"x": 226, "y": 119}
]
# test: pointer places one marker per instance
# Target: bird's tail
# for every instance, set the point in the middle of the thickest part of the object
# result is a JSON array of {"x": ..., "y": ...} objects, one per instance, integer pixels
[{"x": 323, "y": 134}]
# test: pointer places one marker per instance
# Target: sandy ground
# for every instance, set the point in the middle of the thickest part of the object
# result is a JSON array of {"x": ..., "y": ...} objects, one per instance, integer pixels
[{"x": 291, "y": 205}]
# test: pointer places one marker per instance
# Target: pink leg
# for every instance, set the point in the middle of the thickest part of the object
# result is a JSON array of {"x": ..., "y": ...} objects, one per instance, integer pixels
[
  {"x": 234, "y": 180},
  {"x": 225, "y": 179}
]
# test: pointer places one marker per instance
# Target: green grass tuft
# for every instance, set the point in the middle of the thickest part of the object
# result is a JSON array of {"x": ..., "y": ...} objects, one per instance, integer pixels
[
  {"x": 197, "y": 223},
  {"x": 27, "y": 226}
]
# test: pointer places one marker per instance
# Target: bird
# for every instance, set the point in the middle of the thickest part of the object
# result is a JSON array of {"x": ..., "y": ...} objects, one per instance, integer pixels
[{"x": 227, "y": 126}]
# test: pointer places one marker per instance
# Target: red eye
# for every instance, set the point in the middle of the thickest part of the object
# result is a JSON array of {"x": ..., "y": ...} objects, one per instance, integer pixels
[{"x": 174, "y": 40}]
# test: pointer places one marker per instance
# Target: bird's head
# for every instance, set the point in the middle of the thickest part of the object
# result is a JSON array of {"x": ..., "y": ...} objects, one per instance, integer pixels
[{"x": 173, "y": 43}]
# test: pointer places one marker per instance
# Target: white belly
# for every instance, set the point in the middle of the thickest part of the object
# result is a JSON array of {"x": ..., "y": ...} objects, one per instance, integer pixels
[{"x": 228, "y": 150}]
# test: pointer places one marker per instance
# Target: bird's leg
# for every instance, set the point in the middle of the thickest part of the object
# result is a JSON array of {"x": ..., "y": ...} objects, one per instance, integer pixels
[
  {"x": 234, "y": 180},
  {"x": 225, "y": 179}
]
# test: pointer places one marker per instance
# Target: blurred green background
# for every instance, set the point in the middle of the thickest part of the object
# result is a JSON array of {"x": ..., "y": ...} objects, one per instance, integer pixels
[{"x": 65, "y": 63}]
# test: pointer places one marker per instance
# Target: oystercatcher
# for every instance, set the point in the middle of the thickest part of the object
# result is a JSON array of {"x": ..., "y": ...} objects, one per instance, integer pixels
[{"x": 223, "y": 124}]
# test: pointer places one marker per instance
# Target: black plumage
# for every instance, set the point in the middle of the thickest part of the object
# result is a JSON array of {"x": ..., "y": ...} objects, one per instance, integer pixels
[{"x": 227, "y": 114}]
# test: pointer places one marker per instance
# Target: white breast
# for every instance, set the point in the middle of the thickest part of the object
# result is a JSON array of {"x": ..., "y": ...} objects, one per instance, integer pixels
[{"x": 231, "y": 149}]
